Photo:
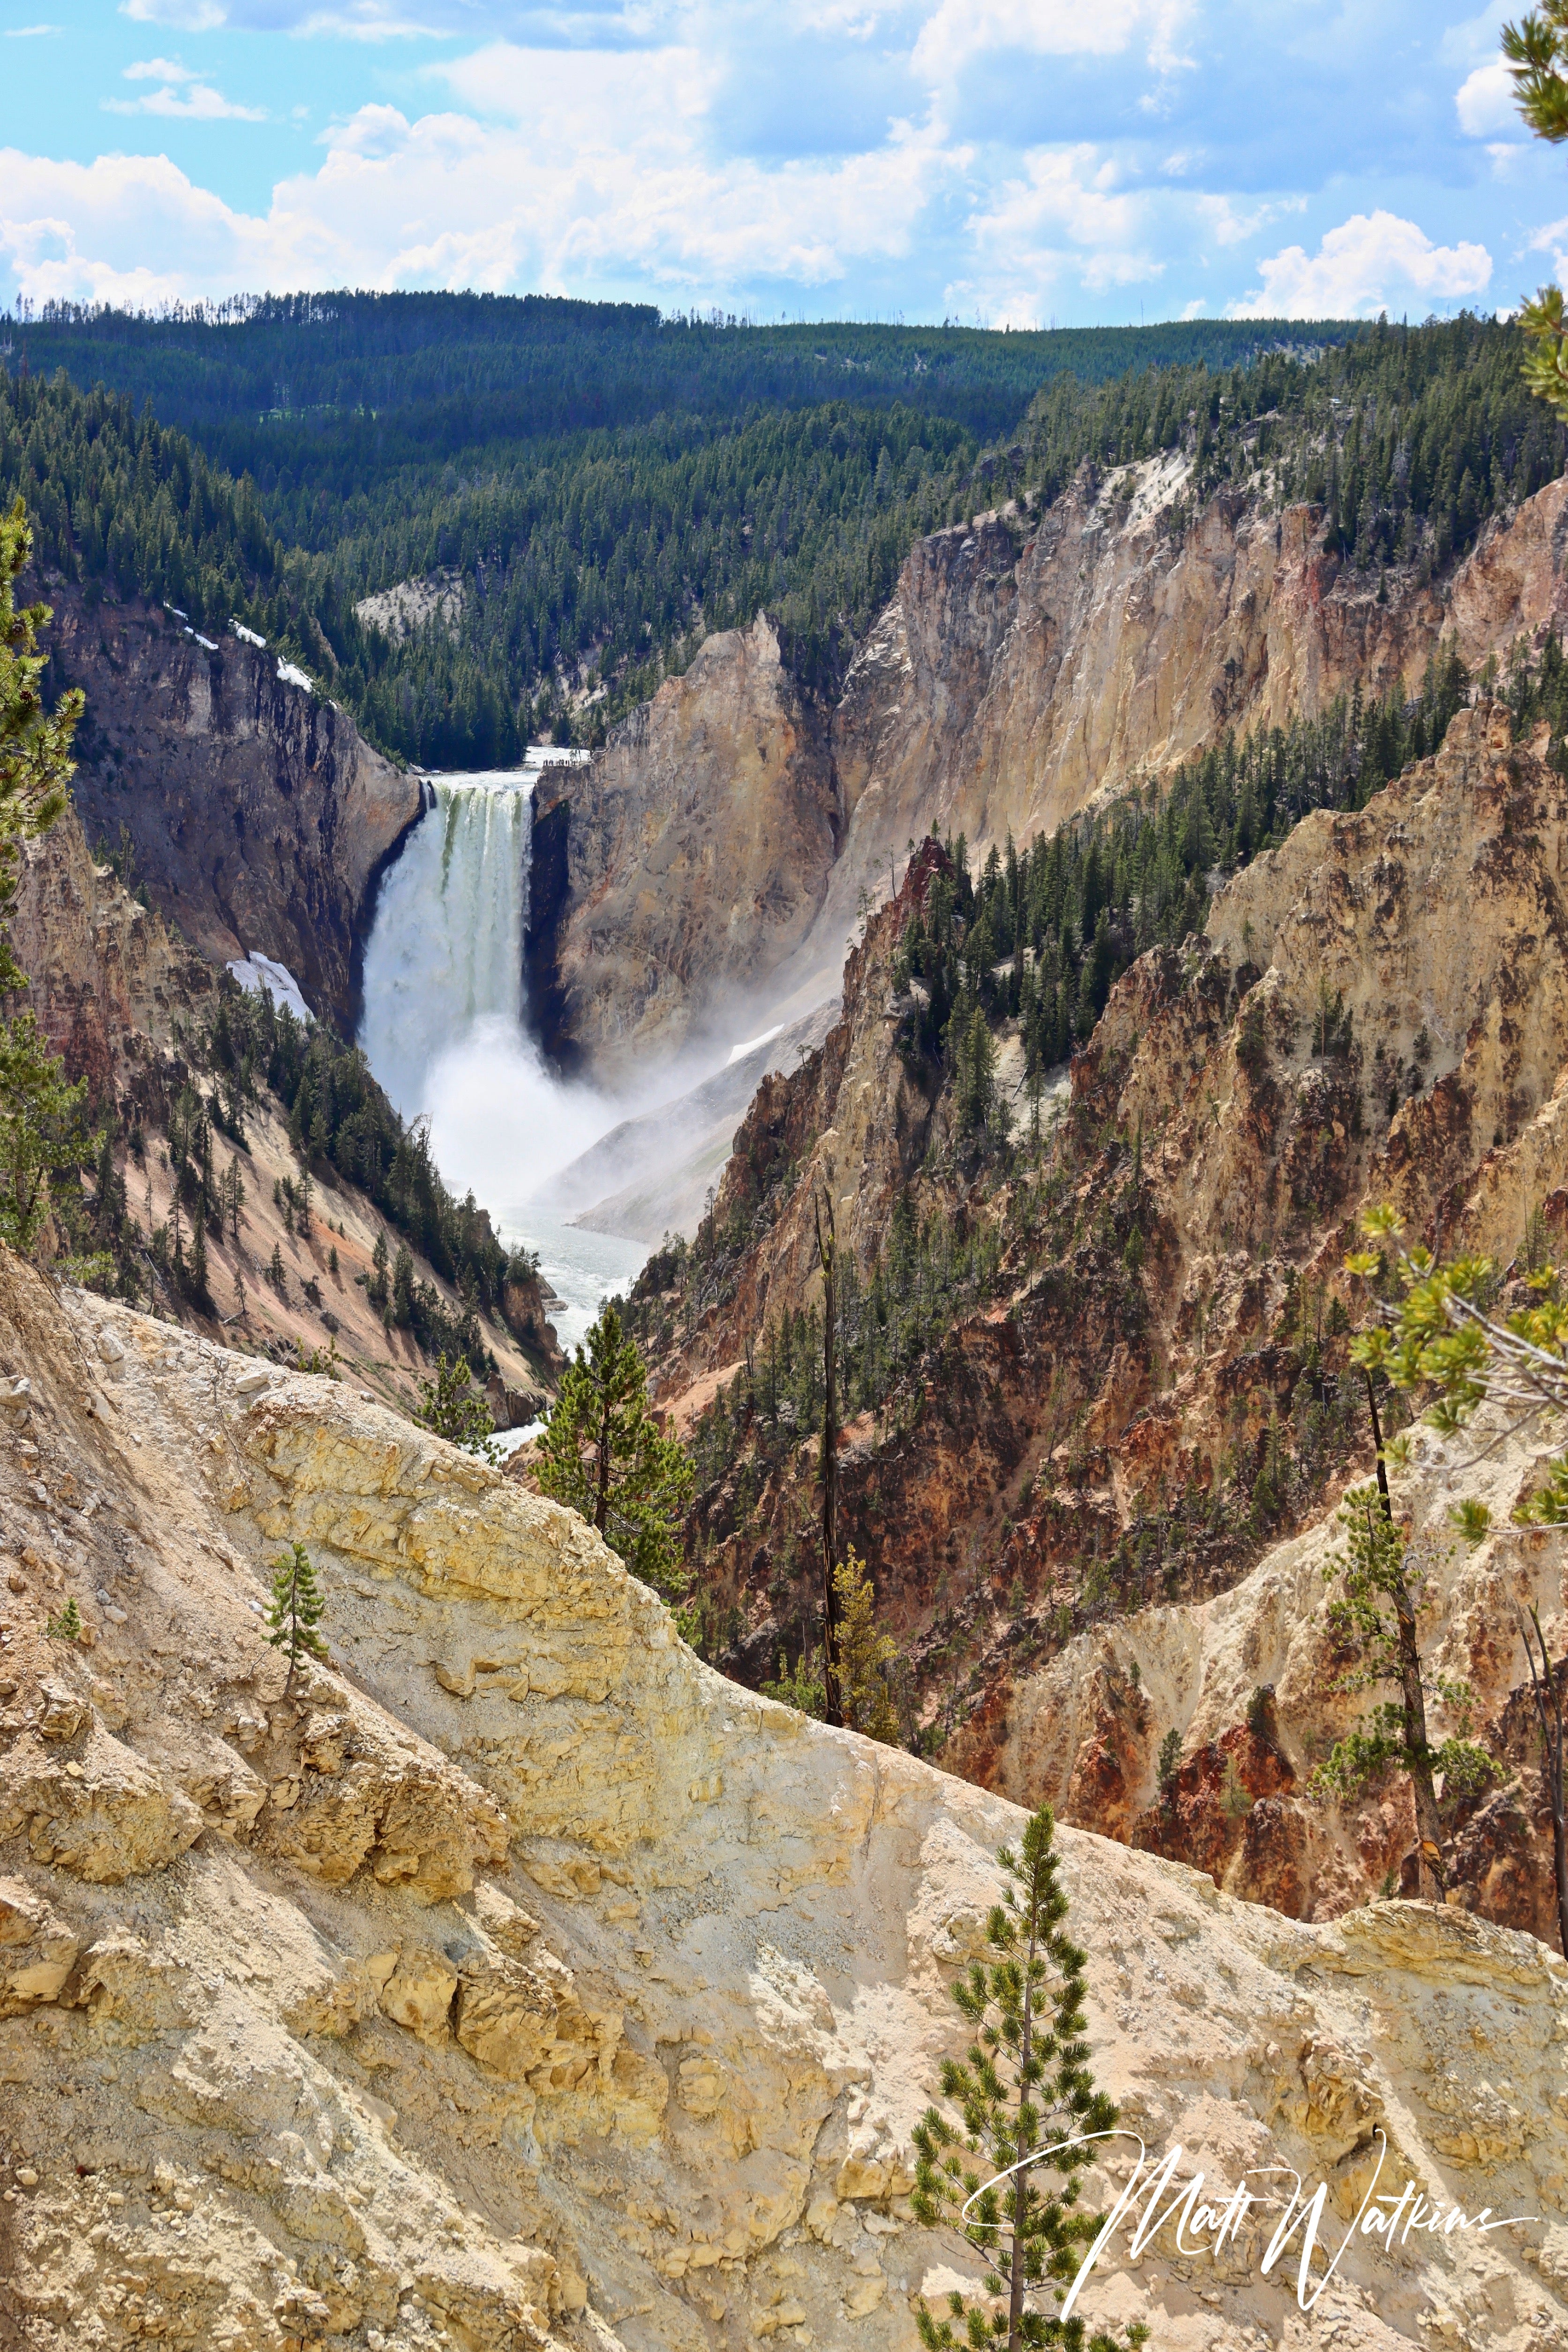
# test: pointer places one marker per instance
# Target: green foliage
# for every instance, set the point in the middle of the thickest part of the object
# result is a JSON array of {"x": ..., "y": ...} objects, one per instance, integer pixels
[
  {"x": 1408, "y": 438},
  {"x": 355, "y": 380},
  {"x": 1169, "y": 1760},
  {"x": 1026, "y": 2098},
  {"x": 339, "y": 1117},
  {"x": 295, "y": 1609},
  {"x": 796, "y": 1685},
  {"x": 35, "y": 744},
  {"x": 1046, "y": 931},
  {"x": 65, "y": 1626},
  {"x": 602, "y": 1454},
  {"x": 43, "y": 1132},
  {"x": 1381, "y": 1588},
  {"x": 1537, "y": 51},
  {"x": 605, "y": 489},
  {"x": 448, "y": 1406},
  {"x": 865, "y": 1654}
]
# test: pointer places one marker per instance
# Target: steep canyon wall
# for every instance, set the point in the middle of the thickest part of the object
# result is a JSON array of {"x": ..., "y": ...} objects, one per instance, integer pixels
[
  {"x": 720, "y": 845},
  {"x": 258, "y": 815}
]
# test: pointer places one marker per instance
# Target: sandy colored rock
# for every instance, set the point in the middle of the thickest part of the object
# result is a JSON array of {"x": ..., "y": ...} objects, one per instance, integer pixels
[
  {"x": 266, "y": 2107},
  {"x": 716, "y": 857}
]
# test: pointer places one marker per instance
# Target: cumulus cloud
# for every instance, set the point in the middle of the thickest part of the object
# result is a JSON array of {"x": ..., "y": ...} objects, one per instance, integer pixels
[
  {"x": 962, "y": 30},
  {"x": 1367, "y": 264},
  {"x": 622, "y": 189},
  {"x": 1484, "y": 102},
  {"x": 181, "y": 97}
]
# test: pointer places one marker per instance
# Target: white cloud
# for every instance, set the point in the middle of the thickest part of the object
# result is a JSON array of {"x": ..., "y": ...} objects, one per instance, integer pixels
[
  {"x": 1066, "y": 217},
  {"x": 960, "y": 30},
  {"x": 1484, "y": 102},
  {"x": 159, "y": 69},
  {"x": 1365, "y": 265},
  {"x": 183, "y": 16},
  {"x": 31, "y": 32},
  {"x": 1227, "y": 224},
  {"x": 197, "y": 103},
  {"x": 622, "y": 189}
]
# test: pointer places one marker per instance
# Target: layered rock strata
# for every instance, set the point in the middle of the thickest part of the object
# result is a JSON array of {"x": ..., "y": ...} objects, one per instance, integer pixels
[
  {"x": 1101, "y": 1432},
  {"x": 112, "y": 990},
  {"x": 514, "y": 1980},
  {"x": 257, "y": 817},
  {"x": 725, "y": 841}
]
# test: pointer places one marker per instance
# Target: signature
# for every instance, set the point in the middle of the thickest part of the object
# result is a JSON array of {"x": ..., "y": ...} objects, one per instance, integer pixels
[{"x": 1205, "y": 2227}]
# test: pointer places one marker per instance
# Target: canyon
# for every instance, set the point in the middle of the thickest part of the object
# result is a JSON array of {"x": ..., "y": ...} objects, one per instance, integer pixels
[
  {"x": 513, "y": 1980},
  {"x": 253, "y": 814},
  {"x": 711, "y": 863},
  {"x": 1068, "y": 1499},
  {"x": 126, "y": 1002}
]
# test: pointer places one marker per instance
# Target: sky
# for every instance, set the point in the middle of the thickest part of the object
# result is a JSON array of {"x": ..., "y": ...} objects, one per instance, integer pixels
[{"x": 1019, "y": 163}]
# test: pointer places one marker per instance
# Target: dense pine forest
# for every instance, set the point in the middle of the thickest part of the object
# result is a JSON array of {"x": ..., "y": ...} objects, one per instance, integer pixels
[
  {"x": 581, "y": 564},
  {"x": 259, "y": 379}
]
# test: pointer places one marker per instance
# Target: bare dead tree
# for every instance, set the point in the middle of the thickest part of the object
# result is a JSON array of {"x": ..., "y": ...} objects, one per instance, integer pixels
[
  {"x": 1546, "y": 1689},
  {"x": 827, "y": 1251}
]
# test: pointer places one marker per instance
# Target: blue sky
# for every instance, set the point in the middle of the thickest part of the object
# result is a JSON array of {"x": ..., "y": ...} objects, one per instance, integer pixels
[{"x": 1006, "y": 161}]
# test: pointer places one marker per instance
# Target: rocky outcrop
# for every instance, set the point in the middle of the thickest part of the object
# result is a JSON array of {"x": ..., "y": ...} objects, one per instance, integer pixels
[
  {"x": 697, "y": 847},
  {"x": 1157, "y": 1381},
  {"x": 258, "y": 816},
  {"x": 111, "y": 988},
  {"x": 109, "y": 980},
  {"x": 1023, "y": 667},
  {"x": 516, "y": 1979}
]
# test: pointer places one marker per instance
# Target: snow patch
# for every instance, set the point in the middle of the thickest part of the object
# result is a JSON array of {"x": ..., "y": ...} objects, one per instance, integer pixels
[
  {"x": 263, "y": 975},
  {"x": 247, "y": 636},
  {"x": 292, "y": 674},
  {"x": 208, "y": 645}
]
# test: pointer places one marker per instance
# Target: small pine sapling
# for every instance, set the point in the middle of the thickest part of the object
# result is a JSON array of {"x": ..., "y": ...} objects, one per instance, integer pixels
[
  {"x": 447, "y": 1406},
  {"x": 295, "y": 1610},
  {"x": 65, "y": 1625},
  {"x": 1028, "y": 2109}
]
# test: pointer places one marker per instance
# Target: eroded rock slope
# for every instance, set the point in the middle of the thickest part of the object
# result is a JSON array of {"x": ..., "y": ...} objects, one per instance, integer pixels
[
  {"x": 517, "y": 1981},
  {"x": 1154, "y": 1386},
  {"x": 719, "y": 847},
  {"x": 258, "y": 815}
]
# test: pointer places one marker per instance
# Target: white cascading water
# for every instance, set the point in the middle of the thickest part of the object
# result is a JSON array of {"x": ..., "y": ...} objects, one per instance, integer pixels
[
  {"x": 444, "y": 1031},
  {"x": 446, "y": 948}
]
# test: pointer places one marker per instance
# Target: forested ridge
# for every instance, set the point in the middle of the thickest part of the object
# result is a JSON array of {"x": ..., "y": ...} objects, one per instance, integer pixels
[
  {"x": 260, "y": 379},
  {"x": 590, "y": 564}
]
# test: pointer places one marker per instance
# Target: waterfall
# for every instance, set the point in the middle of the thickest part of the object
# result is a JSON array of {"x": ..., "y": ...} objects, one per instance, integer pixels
[
  {"x": 443, "y": 1029},
  {"x": 445, "y": 951}
]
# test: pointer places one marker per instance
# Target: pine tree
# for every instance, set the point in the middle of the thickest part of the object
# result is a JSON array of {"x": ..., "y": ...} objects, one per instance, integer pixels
[
  {"x": 864, "y": 1654},
  {"x": 1381, "y": 1588},
  {"x": 602, "y": 1454},
  {"x": 449, "y": 1407},
  {"x": 196, "y": 1277},
  {"x": 43, "y": 1133},
  {"x": 232, "y": 1198},
  {"x": 295, "y": 1609},
  {"x": 1027, "y": 2106}
]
